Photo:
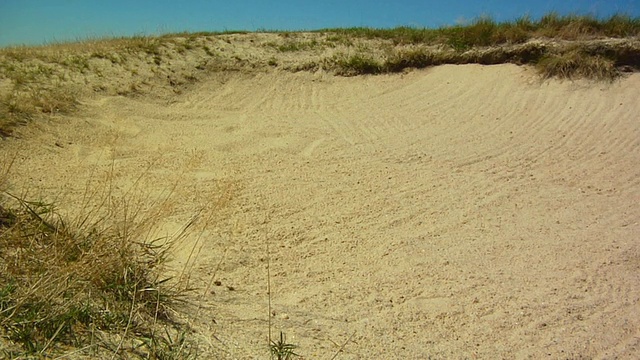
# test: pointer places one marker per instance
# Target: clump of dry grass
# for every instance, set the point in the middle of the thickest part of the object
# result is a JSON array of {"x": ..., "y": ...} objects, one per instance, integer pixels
[
  {"x": 576, "y": 63},
  {"x": 357, "y": 64},
  {"x": 93, "y": 286}
]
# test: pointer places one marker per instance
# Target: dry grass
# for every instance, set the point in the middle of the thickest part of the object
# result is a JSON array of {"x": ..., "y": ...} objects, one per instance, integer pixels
[
  {"x": 576, "y": 63},
  {"x": 93, "y": 286}
]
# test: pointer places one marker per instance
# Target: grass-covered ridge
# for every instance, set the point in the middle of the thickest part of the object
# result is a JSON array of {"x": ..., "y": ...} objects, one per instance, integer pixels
[
  {"x": 484, "y": 31},
  {"x": 558, "y": 46},
  {"x": 46, "y": 80}
]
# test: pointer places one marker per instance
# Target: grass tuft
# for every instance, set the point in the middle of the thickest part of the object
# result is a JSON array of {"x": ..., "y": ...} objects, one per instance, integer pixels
[
  {"x": 357, "y": 64},
  {"x": 415, "y": 58},
  {"x": 281, "y": 349},
  {"x": 94, "y": 284},
  {"x": 577, "y": 64}
]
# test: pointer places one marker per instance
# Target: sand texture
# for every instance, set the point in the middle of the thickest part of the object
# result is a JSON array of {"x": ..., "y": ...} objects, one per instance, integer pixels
[{"x": 460, "y": 212}]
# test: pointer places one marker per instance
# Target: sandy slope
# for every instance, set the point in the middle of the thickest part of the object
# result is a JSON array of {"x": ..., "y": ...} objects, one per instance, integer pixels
[{"x": 457, "y": 212}]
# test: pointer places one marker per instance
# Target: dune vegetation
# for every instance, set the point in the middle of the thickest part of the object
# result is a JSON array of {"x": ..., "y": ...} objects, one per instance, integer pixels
[
  {"x": 95, "y": 286},
  {"x": 51, "y": 79}
]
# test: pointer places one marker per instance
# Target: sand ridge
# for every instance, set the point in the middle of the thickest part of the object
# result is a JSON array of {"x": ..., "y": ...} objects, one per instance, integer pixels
[{"x": 456, "y": 212}]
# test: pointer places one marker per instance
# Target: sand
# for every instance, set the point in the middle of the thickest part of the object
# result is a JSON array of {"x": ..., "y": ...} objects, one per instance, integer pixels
[{"x": 456, "y": 212}]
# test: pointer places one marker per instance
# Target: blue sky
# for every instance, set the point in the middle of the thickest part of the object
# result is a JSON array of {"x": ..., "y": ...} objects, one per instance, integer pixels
[{"x": 34, "y": 22}]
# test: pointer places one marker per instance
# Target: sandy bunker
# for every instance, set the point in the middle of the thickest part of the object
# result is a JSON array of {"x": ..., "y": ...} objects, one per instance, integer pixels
[{"x": 456, "y": 212}]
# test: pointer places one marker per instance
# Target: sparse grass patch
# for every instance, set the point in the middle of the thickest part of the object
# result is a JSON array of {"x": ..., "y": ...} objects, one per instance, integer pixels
[
  {"x": 54, "y": 100},
  {"x": 24, "y": 74},
  {"x": 93, "y": 284},
  {"x": 281, "y": 349},
  {"x": 19, "y": 106},
  {"x": 37, "y": 86}
]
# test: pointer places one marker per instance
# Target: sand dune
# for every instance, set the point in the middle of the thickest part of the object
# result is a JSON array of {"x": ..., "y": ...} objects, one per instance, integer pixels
[{"x": 456, "y": 212}]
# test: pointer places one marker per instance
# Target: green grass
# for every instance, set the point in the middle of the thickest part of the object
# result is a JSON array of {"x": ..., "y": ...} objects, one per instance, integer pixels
[{"x": 282, "y": 350}]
